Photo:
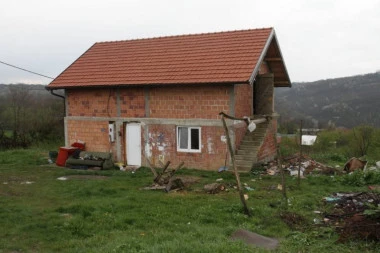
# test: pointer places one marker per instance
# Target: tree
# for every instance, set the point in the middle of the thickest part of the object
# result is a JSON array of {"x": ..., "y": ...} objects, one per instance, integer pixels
[{"x": 362, "y": 139}]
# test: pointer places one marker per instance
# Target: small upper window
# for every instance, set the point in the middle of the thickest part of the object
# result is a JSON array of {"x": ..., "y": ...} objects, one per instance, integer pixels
[{"x": 189, "y": 139}]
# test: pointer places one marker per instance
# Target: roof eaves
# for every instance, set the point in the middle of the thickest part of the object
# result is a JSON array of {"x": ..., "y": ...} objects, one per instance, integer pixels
[
  {"x": 283, "y": 62},
  {"x": 143, "y": 85},
  {"x": 54, "y": 88}
]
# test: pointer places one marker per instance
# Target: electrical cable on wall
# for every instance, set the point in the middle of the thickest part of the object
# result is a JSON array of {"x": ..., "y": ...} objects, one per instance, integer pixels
[{"x": 13, "y": 66}]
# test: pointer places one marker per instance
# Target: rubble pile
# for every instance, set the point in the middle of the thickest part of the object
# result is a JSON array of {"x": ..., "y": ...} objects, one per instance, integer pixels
[
  {"x": 355, "y": 215},
  {"x": 308, "y": 166}
]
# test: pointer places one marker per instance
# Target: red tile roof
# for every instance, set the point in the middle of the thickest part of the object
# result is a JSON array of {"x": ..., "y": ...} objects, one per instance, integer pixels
[{"x": 201, "y": 58}]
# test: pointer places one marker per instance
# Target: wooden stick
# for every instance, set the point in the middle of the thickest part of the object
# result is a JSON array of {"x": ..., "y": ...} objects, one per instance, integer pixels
[
  {"x": 245, "y": 207},
  {"x": 157, "y": 179},
  {"x": 152, "y": 168}
]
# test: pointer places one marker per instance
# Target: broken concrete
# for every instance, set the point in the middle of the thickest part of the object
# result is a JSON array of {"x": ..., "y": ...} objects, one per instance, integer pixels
[{"x": 254, "y": 239}]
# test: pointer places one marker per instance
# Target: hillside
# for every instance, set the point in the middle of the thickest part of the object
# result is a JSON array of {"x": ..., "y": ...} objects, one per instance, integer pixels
[{"x": 344, "y": 102}]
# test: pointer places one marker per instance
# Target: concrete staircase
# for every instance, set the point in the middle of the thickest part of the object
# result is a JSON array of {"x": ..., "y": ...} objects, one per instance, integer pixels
[{"x": 246, "y": 155}]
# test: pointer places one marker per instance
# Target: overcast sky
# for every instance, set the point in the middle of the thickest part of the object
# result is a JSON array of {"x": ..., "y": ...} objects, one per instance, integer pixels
[{"x": 319, "y": 39}]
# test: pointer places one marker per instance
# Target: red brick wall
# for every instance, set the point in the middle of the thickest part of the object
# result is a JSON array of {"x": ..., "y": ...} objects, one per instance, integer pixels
[
  {"x": 268, "y": 149},
  {"x": 132, "y": 102},
  {"x": 243, "y": 100},
  {"x": 91, "y": 103},
  {"x": 161, "y": 144},
  {"x": 93, "y": 133},
  {"x": 200, "y": 102}
]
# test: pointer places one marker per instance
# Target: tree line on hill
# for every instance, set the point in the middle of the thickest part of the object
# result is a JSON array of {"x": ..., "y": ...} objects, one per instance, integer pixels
[
  {"x": 29, "y": 114},
  {"x": 333, "y": 103}
]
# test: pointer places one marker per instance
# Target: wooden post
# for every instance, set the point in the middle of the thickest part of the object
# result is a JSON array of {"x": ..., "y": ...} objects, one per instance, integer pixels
[
  {"x": 279, "y": 165},
  {"x": 245, "y": 207},
  {"x": 300, "y": 158}
]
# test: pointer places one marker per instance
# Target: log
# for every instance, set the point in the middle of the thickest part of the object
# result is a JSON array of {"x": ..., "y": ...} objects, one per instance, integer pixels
[{"x": 214, "y": 188}]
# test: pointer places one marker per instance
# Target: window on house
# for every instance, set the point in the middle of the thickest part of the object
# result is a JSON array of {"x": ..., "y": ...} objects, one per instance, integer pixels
[{"x": 189, "y": 139}]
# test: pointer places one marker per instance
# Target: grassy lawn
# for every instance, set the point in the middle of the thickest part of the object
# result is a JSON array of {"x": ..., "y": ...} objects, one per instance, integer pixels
[{"x": 106, "y": 211}]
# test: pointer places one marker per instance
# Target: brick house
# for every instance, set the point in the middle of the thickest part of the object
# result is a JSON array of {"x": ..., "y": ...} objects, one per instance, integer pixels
[{"x": 161, "y": 97}]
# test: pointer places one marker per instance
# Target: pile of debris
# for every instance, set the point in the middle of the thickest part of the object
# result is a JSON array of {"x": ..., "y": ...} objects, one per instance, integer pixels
[
  {"x": 305, "y": 164},
  {"x": 355, "y": 215}
]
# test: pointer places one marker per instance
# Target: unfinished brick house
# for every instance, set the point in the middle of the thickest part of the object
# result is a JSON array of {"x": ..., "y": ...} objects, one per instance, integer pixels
[{"x": 160, "y": 98}]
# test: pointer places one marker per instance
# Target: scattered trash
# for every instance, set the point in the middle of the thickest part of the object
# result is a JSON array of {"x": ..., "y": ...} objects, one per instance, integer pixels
[
  {"x": 223, "y": 168},
  {"x": 62, "y": 178},
  {"x": 354, "y": 164},
  {"x": 249, "y": 188},
  {"x": 219, "y": 179},
  {"x": 279, "y": 187},
  {"x": 355, "y": 215},
  {"x": 246, "y": 196},
  {"x": 27, "y": 182},
  {"x": 374, "y": 187},
  {"x": 308, "y": 166}
]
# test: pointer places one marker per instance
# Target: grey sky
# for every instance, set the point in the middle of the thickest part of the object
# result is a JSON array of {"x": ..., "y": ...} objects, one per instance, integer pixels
[{"x": 319, "y": 39}]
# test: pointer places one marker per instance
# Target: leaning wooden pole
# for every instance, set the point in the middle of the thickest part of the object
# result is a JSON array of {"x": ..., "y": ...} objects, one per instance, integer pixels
[
  {"x": 300, "y": 158},
  {"x": 245, "y": 207},
  {"x": 279, "y": 164}
]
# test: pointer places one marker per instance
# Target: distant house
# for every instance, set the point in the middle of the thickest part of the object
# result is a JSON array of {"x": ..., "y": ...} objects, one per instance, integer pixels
[{"x": 160, "y": 98}]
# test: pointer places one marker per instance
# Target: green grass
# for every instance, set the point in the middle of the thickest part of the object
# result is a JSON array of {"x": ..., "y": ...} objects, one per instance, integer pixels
[{"x": 115, "y": 215}]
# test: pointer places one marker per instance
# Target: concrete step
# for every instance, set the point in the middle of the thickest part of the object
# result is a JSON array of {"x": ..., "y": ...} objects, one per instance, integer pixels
[
  {"x": 252, "y": 151},
  {"x": 249, "y": 146},
  {"x": 251, "y": 142},
  {"x": 245, "y": 163},
  {"x": 246, "y": 157},
  {"x": 244, "y": 169}
]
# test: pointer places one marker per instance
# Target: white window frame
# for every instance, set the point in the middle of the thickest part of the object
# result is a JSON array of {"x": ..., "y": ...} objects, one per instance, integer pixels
[{"x": 188, "y": 149}]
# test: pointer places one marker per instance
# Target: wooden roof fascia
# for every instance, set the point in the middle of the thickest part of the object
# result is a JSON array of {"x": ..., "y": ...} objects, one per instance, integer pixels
[
  {"x": 261, "y": 58},
  {"x": 272, "y": 36}
]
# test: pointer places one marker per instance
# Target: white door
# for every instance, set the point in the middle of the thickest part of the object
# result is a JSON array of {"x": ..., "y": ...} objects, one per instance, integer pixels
[{"x": 133, "y": 140}]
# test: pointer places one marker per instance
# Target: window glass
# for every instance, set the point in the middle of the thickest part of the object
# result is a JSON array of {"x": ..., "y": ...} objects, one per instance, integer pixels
[
  {"x": 183, "y": 137},
  {"x": 195, "y": 138}
]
